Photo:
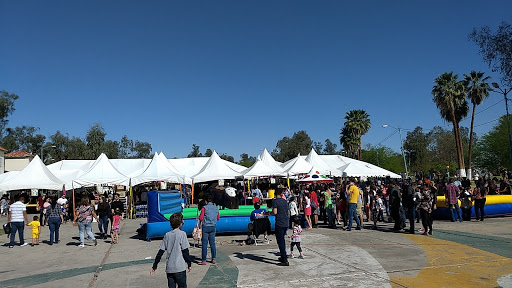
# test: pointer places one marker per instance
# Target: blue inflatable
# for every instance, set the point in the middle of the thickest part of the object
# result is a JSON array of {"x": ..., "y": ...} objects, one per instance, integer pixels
[{"x": 169, "y": 202}]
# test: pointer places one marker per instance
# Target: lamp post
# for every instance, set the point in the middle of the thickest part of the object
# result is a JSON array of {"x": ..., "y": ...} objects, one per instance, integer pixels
[
  {"x": 401, "y": 145},
  {"x": 505, "y": 92},
  {"x": 42, "y": 149}
]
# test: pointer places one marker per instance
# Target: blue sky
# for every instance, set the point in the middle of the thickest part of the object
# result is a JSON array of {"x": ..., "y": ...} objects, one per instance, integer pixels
[{"x": 236, "y": 76}]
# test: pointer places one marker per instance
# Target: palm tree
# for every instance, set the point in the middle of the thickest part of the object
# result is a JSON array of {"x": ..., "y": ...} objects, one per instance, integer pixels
[
  {"x": 450, "y": 98},
  {"x": 477, "y": 89},
  {"x": 357, "y": 123},
  {"x": 349, "y": 141}
]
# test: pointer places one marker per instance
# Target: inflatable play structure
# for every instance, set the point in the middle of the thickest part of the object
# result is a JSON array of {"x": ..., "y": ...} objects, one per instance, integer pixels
[
  {"x": 162, "y": 204},
  {"x": 495, "y": 206}
]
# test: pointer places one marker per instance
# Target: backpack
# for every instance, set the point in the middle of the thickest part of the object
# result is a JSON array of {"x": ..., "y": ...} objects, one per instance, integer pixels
[{"x": 314, "y": 204}]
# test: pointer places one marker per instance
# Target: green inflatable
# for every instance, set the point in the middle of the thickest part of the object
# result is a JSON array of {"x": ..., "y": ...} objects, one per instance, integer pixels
[{"x": 243, "y": 210}]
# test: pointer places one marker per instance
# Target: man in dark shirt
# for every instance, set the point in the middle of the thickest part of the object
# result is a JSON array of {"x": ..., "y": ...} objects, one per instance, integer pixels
[
  {"x": 280, "y": 210},
  {"x": 117, "y": 204}
]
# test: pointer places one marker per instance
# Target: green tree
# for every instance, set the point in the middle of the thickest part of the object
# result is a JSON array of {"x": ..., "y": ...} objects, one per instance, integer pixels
[
  {"x": 443, "y": 148},
  {"x": 449, "y": 97},
  {"x": 6, "y": 108},
  {"x": 357, "y": 123},
  {"x": 125, "y": 148},
  {"x": 208, "y": 152},
  {"x": 318, "y": 146},
  {"x": 496, "y": 49},
  {"x": 61, "y": 142},
  {"x": 416, "y": 144},
  {"x": 491, "y": 150},
  {"x": 76, "y": 149},
  {"x": 95, "y": 140},
  {"x": 388, "y": 159},
  {"x": 349, "y": 141},
  {"x": 142, "y": 149},
  {"x": 330, "y": 148},
  {"x": 195, "y": 152},
  {"x": 226, "y": 157},
  {"x": 246, "y": 160},
  {"x": 288, "y": 148},
  {"x": 477, "y": 90},
  {"x": 23, "y": 138}
]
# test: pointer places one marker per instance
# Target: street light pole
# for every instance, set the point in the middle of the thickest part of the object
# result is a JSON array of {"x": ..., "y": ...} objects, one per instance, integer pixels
[
  {"x": 401, "y": 145},
  {"x": 505, "y": 92}
]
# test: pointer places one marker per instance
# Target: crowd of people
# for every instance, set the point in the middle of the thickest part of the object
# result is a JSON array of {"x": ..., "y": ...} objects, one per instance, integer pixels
[{"x": 54, "y": 211}]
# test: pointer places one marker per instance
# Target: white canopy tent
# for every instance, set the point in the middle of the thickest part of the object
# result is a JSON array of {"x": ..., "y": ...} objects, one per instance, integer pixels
[
  {"x": 34, "y": 176},
  {"x": 297, "y": 166},
  {"x": 215, "y": 169},
  {"x": 259, "y": 168},
  {"x": 158, "y": 170},
  {"x": 321, "y": 165},
  {"x": 102, "y": 172},
  {"x": 270, "y": 162}
]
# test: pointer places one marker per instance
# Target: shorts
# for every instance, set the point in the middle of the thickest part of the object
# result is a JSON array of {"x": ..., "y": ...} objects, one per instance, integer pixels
[
  {"x": 35, "y": 235},
  {"x": 307, "y": 211},
  {"x": 359, "y": 212},
  {"x": 115, "y": 228}
]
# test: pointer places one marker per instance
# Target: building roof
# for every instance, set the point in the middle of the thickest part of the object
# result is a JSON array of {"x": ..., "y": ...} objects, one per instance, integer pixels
[
  {"x": 19, "y": 154},
  {"x": 3, "y": 149}
]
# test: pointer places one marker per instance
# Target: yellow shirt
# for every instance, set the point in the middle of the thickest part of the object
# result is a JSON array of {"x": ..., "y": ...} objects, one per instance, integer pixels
[
  {"x": 35, "y": 226},
  {"x": 355, "y": 194}
]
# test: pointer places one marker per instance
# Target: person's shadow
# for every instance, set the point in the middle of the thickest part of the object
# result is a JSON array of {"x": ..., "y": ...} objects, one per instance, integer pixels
[{"x": 257, "y": 258}]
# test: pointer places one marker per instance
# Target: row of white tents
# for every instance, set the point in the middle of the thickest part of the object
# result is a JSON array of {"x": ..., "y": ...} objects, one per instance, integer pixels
[{"x": 69, "y": 174}]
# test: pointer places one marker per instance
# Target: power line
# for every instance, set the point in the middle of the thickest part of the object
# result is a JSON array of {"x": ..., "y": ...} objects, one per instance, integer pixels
[
  {"x": 389, "y": 136},
  {"x": 487, "y": 122}
]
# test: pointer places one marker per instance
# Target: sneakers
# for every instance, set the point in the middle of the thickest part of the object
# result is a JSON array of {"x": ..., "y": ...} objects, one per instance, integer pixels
[
  {"x": 421, "y": 230},
  {"x": 292, "y": 256},
  {"x": 202, "y": 263},
  {"x": 266, "y": 238},
  {"x": 10, "y": 246},
  {"x": 24, "y": 244},
  {"x": 301, "y": 257},
  {"x": 213, "y": 261},
  {"x": 81, "y": 246},
  {"x": 283, "y": 264},
  {"x": 95, "y": 242}
]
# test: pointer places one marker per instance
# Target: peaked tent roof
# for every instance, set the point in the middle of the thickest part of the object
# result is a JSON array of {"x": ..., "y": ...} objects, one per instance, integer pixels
[
  {"x": 158, "y": 170},
  {"x": 320, "y": 164},
  {"x": 259, "y": 168},
  {"x": 271, "y": 162},
  {"x": 102, "y": 172},
  {"x": 215, "y": 169},
  {"x": 297, "y": 166},
  {"x": 34, "y": 176},
  {"x": 357, "y": 170}
]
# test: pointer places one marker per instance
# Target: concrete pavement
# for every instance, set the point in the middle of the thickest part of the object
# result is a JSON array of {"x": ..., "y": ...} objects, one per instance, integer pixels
[{"x": 468, "y": 254}]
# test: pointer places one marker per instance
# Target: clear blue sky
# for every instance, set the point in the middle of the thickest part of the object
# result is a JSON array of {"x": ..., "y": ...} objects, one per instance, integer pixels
[{"x": 236, "y": 76}]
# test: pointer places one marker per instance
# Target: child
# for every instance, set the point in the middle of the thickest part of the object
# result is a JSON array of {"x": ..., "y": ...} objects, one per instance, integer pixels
[
  {"x": 466, "y": 204},
  {"x": 175, "y": 242},
  {"x": 115, "y": 226},
  {"x": 4, "y": 207},
  {"x": 296, "y": 238},
  {"x": 36, "y": 230}
]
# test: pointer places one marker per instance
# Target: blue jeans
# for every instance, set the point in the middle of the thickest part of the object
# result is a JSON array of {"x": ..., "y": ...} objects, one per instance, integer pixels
[
  {"x": 459, "y": 213},
  {"x": 85, "y": 226},
  {"x": 103, "y": 224},
  {"x": 54, "y": 224},
  {"x": 280, "y": 232},
  {"x": 208, "y": 237},
  {"x": 352, "y": 214},
  {"x": 19, "y": 226},
  {"x": 179, "y": 278}
]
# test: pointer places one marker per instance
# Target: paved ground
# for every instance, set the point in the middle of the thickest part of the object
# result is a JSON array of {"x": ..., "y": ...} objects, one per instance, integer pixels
[{"x": 469, "y": 254}]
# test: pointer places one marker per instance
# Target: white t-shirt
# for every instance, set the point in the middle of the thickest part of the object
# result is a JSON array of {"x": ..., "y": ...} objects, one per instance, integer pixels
[
  {"x": 293, "y": 208},
  {"x": 16, "y": 210},
  {"x": 62, "y": 201}
]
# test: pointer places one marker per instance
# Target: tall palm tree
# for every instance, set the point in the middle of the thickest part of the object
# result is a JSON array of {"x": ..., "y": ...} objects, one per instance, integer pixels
[
  {"x": 477, "y": 89},
  {"x": 450, "y": 98},
  {"x": 349, "y": 141},
  {"x": 357, "y": 122}
]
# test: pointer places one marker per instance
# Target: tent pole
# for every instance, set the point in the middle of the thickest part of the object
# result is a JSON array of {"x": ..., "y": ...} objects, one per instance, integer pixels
[
  {"x": 130, "y": 199},
  {"x": 192, "y": 201}
]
